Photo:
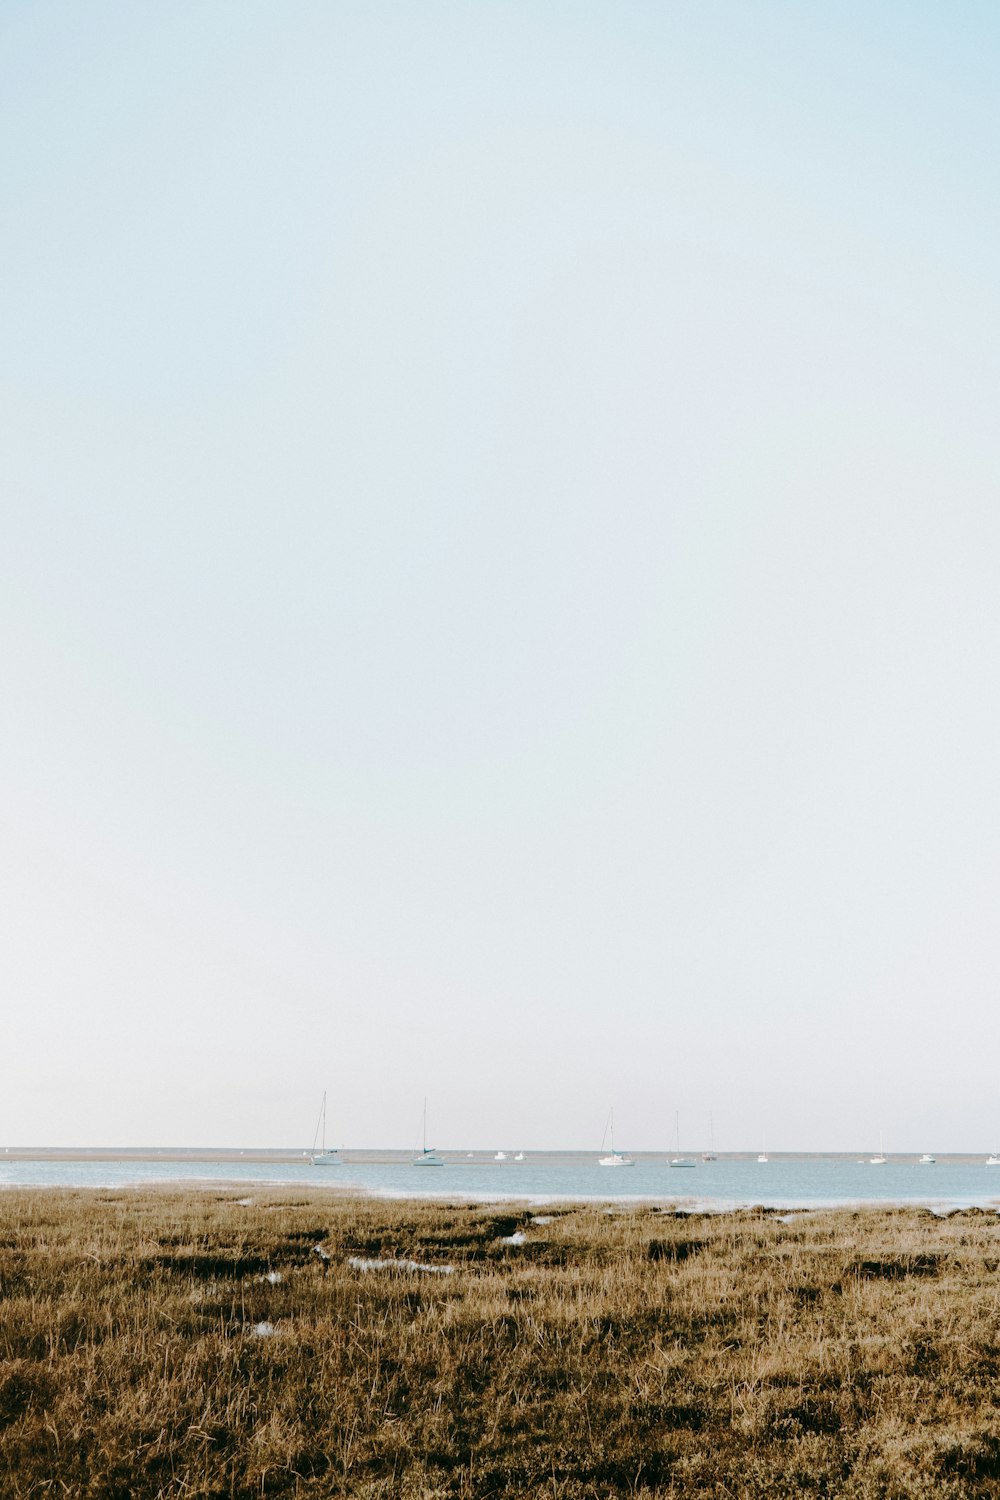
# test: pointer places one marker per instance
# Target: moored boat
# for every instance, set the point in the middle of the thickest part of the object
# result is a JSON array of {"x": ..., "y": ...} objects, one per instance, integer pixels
[
  {"x": 679, "y": 1160},
  {"x": 428, "y": 1156},
  {"x": 615, "y": 1158},
  {"x": 319, "y": 1156}
]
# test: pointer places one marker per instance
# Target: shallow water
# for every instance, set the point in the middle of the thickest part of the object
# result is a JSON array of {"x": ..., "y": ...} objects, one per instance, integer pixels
[{"x": 785, "y": 1182}]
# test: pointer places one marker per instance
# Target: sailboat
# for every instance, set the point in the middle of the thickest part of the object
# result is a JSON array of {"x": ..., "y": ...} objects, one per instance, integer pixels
[
  {"x": 616, "y": 1159},
  {"x": 762, "y": 1155},
  {"x": 881, "y": 1159},
  {"x": 322, "y": 1157},
  {"x": 679, "y": 1160},
  {"x": 711, "y": 1154},
  {"x": 428, "y": 1156}
]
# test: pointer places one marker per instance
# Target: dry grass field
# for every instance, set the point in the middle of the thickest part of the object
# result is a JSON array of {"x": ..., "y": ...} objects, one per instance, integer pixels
[{"x": 181, "y": 1344}]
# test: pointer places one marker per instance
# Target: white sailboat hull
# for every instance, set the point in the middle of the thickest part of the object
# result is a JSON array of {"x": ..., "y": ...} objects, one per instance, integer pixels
[
  {"x": 614, "y": 1158},
  {"x": 428, "y": 1157},
  {"x": 320, "y": 1156}
]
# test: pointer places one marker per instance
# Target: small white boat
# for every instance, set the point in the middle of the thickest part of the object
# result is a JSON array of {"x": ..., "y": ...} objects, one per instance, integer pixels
[
  {"x": 500, "y": 1156},
  {"x": 519, "y": 1156},
  {"x": 679, "y": 1160},
  {"x": 319, "y": 1155},
  {"x": 927, "y": 1160},
  {"x": 616, "y": 1158},
  {"x": 762, "y": 1156},
  {"x": 879, "y": 1159},
  {"x": 993, "y": 1160},
  {"x": 428, "y": 1156}
]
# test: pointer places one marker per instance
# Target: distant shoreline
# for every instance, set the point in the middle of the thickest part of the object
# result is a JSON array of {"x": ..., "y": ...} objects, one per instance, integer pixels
[
  {"x": 455, "y": 1156},
  {"x": 146, "y": 1153}
]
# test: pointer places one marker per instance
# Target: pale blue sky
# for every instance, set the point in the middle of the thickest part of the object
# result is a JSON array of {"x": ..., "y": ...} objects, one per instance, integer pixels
[{"x": 499, "y": 584}]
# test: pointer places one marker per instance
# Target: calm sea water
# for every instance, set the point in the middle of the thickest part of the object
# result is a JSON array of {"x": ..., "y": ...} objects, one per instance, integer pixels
[{"x": 785, "y": 1182}]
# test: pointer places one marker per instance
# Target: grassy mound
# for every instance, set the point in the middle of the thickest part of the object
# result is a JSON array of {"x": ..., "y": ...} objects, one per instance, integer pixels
[{"x": 181, "y": 1344}]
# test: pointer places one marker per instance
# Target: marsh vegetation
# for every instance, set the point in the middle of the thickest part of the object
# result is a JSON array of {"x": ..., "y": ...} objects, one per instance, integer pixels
[{"x": 195, "y": 1345}]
